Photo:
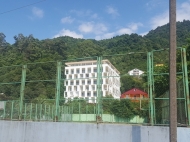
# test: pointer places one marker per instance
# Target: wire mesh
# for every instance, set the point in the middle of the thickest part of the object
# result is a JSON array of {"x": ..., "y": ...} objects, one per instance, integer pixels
[
  {"x": 161, "y": 89},
  {"x": 94, "y": 89}
]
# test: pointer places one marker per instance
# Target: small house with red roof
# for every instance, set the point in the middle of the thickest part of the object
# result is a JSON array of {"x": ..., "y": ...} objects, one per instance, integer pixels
[{"x": 134, "y": 94}]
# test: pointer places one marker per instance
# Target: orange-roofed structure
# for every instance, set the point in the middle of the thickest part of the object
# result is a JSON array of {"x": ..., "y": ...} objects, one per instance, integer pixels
[{"x": 134, "y": 94}]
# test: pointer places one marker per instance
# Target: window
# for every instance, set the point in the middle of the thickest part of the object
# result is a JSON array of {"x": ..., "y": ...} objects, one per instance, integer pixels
[
  {"x": 81, "y": 75},
  {"x": 94, "y": 94},
  {"x": 76, "y": 76},
  {"x": 70, "y": 76},
  {"x": 87, "y": 75},
  {"x": 105, "y": 87},
  {"x": 77, "y": 82},
  {"x": 95, "y": 69},
  {"x": 88, "y": 94},
  {"x": 66, "y": 82},
  {"x": 83, "y": 82},
  {"x": 72, "y": 71},
  {"x": 69, "y": 88},
  {"x": 83, "y": 70},
  {"x": 77, "y": 93},
  {"x": 83, "y": 94},
  {"x": 105, "y": 74},
  {"x": 81, "y": 88},
  {"x": 93, "y": 87},
  {"x": 95, "y": 81},
  {"x": 93, "y": 74},
  {"x": 78, "y": 71},
  {"x": 72, "y": 83},
  {"x": 65, "y": 94},
  {"x": 89, "y": 81},
  {"x": 67, "y": 71},
  {"x": 75, "y": 88},
  {"x": 106, "y": 81},
  {"x": 107, "y": 69},
  {"x": 87, "y": 88},
  {"x": 89, "y": 70}
]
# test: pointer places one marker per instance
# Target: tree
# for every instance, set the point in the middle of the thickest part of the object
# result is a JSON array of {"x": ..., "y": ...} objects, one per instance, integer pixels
[{"x": 3, "y": 42}]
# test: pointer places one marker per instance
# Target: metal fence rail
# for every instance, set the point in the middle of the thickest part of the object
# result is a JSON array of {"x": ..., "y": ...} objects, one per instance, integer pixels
[
  {"x": 77, "y": 110},
  {"x": 36, "y": 96}
]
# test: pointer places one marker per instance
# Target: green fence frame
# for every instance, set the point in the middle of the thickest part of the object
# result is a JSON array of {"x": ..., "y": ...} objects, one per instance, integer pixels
[{"x": 53, "y": 112}]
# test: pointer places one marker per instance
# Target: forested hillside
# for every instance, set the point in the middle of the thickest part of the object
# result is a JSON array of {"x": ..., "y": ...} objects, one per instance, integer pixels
[{"x": 28, "y": 49}]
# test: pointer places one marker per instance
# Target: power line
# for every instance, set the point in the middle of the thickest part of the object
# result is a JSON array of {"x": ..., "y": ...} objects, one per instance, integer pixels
[{"x": 21, "y": 7}]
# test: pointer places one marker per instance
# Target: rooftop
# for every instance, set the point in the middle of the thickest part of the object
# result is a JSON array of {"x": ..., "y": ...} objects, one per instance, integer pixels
[{"x": 91, "y": 62}]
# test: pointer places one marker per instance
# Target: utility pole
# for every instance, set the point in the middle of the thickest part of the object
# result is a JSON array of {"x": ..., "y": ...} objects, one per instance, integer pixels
[{"x": 172, "y": 56}]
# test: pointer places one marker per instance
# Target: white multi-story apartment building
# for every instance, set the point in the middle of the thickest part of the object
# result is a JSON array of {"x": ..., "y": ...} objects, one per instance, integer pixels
[{"x": 81, "y": 80}]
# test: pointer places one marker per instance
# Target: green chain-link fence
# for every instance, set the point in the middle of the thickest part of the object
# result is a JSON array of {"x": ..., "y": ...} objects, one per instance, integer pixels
[{"x": 89, "y": 89}]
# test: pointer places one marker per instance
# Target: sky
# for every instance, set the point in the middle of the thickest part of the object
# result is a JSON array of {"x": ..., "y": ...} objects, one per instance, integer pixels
[{"x": 87, "y": 19}]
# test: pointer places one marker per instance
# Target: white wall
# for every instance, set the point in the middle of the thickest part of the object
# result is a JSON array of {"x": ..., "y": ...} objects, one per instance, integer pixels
[
  {"x": 20, "y": 131},
  {"x": 82, "y": 80}
]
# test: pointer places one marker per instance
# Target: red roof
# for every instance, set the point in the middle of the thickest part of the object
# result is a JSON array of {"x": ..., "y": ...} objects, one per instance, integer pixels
[{"x": 134, "y": 91}]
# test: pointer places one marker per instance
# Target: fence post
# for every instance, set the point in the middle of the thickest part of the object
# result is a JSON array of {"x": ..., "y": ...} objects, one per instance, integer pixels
[
  {"x": 57, "y": 93},
  {"x": 12, "y": 104},
  {"x": 186, "y": 84},
  {"x": 23, "y": 79},
  {"x": 150, "y": 86},
  {"x": 99, "y": 87}
]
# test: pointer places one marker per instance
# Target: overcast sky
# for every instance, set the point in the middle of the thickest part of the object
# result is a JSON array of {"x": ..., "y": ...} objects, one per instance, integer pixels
[{"x": 88, "y": 19}]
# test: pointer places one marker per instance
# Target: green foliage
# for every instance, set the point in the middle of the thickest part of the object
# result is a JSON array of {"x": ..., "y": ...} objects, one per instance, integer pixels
[
  {"x": 106, "y": 103},
  {"x": 28, "y": 49},
  {"x": 80, "y": 106},
  {"x": 129, "y": 82},
  {"x": 125, "y": 108}
]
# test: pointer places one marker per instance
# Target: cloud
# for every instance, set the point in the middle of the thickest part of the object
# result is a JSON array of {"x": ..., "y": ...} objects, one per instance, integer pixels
[
  {"x": 143, "y": 34},
  {"x": 94, "y": 16},
  {"x": 65, "y": 32},
  {"x": 131, "y": 28},
  {"x": 112, "y": 11},
  {"x": 86, "y": 27},
  {"x": 152, "y": 4},
  {"x": 91, "y": 27},
  {"x": 37, "y": 12},
  {"x": 183, "y": 13},
  {"x": 105, "y": 36},
  {"x": 81, "y": 13},
  {"x": 84, "y": 13},
  {"x": 99, "y": 30},
  {"x": 160, "y": 20},
  {"x": 67, "y": 20}
]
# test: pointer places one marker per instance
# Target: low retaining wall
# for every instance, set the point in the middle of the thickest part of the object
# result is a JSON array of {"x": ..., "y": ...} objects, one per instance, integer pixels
[
  {"x": 20, "y": 131},
  {"x": 105, "y": 118}
]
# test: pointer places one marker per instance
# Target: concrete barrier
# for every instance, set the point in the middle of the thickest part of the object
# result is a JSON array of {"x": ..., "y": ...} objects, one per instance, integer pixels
[{"x": 20, "y": 131}]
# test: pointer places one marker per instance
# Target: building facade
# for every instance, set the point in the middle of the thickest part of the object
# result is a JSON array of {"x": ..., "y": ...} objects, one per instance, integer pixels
[
  {"x": 81, "y": 80},
  {"x": 135, "y": 72}
]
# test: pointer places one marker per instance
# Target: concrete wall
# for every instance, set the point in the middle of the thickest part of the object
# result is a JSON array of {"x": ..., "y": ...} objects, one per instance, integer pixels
[
  {"x": 20, "y": 131},
  {"x": 105, "y": 118}
]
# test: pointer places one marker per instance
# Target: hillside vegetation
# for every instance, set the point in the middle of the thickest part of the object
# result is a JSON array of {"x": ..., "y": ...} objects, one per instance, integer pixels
[{"x": 28, "y": 49}]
